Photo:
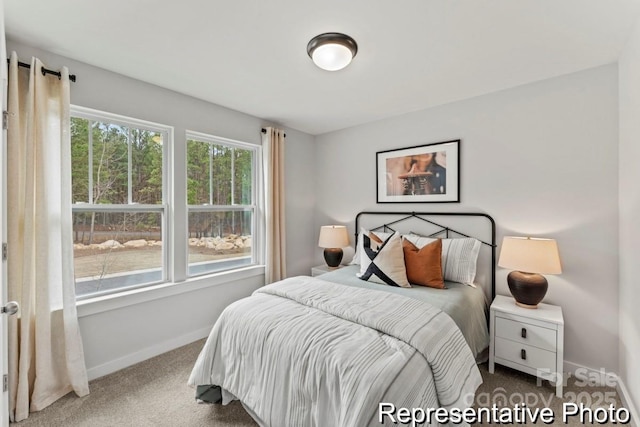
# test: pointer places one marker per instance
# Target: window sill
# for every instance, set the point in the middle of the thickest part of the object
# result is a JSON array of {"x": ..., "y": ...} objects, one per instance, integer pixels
[{"x": 110, "y": 302}]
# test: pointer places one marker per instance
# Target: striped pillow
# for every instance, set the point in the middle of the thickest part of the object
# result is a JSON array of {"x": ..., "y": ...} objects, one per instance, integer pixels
[
  {"x": 384, "y": 265},
  {"x": 459, "y": 257}
]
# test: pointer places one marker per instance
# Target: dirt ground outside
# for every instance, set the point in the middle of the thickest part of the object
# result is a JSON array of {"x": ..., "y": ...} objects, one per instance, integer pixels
[{"x": 100, "y": 262}]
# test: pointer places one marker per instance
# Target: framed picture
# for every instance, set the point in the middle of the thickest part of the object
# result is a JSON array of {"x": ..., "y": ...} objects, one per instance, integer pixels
[{"x": 423, "y": 174}]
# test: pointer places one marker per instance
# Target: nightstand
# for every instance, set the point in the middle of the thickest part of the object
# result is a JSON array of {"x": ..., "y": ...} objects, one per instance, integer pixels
[
  {"x": 529, "y": 340},
  {"x": 321, "y": 269}
]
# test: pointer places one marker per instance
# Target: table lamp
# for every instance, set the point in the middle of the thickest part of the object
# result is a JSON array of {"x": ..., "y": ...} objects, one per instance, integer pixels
[
  {"x": 530, "y": 258},
  {"x": 333, "y": 238}
]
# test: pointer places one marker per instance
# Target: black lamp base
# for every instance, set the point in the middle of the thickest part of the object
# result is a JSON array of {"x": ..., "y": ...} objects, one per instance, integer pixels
[
  {"x": 528, "y": 289},
  {"x": 333, "y": 256}
]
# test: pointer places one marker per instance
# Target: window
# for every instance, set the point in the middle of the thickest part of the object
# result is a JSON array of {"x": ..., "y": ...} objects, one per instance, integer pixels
[
  {"x": 125, "y": 199},
  {"x": 119, "y": 194},
  {"x": 221, "y": 198}
]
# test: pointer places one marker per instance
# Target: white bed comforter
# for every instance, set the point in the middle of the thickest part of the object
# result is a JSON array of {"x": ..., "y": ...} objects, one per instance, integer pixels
[{"x": 306, "y": 352}]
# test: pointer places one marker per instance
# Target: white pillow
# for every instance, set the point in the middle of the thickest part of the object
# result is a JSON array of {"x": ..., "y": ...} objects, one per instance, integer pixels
[
  {"x": 380, "y": 234},
  {"x": 384, "y": 265},
  {"x": 459, "y": 257}
]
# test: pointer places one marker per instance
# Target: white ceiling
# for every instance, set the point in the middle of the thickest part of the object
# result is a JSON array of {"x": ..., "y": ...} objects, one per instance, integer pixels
[{"x": 250, "y": 55}]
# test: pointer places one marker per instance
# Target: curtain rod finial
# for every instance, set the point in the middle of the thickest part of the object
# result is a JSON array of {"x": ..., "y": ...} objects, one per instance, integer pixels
[{"x": 264, "y": 130}]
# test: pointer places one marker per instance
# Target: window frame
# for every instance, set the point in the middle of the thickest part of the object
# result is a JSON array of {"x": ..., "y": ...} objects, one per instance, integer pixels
[
  {"x": 175, "y": 247},
  {"x": 131, "y": 207},
  {"x": 257, "y": 218}
]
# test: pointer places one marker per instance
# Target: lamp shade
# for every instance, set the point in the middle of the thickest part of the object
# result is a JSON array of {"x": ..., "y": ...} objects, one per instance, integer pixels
[
  {"x": 333, "y": 236},
  {"x": 531, "y": 255}
]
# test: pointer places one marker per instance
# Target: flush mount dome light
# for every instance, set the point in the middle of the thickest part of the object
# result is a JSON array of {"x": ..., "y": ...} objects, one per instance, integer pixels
[{"x": 332, "y": 51}]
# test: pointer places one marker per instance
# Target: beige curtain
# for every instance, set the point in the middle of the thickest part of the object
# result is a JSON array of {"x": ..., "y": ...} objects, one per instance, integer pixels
[
  {"x": 46, "y": 358},
  {"x": 273, "y": 157}
]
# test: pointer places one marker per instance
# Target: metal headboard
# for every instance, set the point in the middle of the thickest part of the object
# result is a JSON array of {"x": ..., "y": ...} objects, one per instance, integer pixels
[{"x": 446, "y": 230}]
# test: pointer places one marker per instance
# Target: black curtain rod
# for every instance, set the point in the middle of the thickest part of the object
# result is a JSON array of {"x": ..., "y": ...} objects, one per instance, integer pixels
[
  {"x": 265, "y": 131},
  {"x": 44, "y": 71}
]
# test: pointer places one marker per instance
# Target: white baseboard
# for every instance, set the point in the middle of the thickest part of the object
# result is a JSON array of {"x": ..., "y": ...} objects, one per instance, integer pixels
[
  {"x": 623, "y": 392},
  {"x": 144, "y": 354},
  {"x": 603, "y": 378},
  {"x": 597, "y": 377}
]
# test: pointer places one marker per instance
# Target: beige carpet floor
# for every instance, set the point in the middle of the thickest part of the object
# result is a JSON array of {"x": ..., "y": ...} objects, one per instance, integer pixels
[
  {"x": 151, "y": 393},
  {"x": 155, "y": 393}
]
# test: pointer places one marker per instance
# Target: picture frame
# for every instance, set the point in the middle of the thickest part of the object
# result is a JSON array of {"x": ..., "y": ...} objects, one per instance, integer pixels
[{"x": 428, "y": 173}]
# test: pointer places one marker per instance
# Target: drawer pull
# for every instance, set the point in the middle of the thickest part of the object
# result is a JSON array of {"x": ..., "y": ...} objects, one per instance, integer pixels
[
  {"x": 523, "y": 354},
  {"x": 524, "y": 333}
]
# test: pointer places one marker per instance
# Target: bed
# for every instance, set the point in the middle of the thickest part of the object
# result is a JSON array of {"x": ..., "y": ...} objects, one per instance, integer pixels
[
  {"x": 467, "y": 306},
  {"x": 329, "y": 350}
]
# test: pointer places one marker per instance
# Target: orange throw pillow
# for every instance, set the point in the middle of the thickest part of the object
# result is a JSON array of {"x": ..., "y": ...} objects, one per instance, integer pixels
[{"x": 424, "y": 266}]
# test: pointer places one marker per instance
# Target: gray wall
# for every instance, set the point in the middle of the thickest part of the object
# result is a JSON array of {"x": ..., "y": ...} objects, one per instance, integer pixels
[
  {"x": 117, "y": 334},
  {"x": 630, "y": 216},
  {"x": 541, "y": 159}
]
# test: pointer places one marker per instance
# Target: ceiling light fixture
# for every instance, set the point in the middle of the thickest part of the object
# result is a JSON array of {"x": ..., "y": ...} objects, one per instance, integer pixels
[{"x": 332, "y": 51}]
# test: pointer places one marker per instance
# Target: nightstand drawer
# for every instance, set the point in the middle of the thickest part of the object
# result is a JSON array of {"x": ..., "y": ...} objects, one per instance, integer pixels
[
  {"x": 526, "y": 333},
  {"x": 526, "y": 355}
]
